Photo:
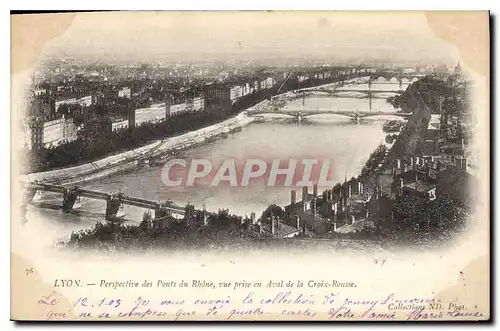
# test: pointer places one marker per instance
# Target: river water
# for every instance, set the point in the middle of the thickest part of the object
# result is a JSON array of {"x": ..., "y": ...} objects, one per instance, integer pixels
[{"x": 345, "y": 143}]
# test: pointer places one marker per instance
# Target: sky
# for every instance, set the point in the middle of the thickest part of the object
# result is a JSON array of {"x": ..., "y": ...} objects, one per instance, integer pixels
[{"x": 252, "y": 36}]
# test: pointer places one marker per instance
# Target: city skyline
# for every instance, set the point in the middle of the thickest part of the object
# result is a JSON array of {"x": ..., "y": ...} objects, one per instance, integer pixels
[{"x": 279, "y": 37}]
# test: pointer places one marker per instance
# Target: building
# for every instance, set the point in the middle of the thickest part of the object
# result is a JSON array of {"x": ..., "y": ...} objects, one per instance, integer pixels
[
  {"x": 235, "y": 93},
  {"x": 307, "y": 210},
  {"x": 84, "y": 101},
  {"x": 71, "y": 101},
  {"x": 355, "y": 226},
  {"x": 44, "y": 109},
  {"x": 125, "y": 93},
  {"x": 47, "y": 134},
  {"x": 256, "y": 86},
  {"x": 144, "y": 115},
  {"x": 269, "y": 82},
  {"x": 245, "y": 89},
  {"x": 59, "y": 131},
  {"x": 416, "y": 184},
  {"x": 119, "y": 124},
  {"x": 34, "y": 135},
  {"x": 408, "y": 70},
  {"x": 198, "y": 103},
  {"x": 275, "y": 228},
  {"x": 433, "y": 135},
  {"x": 175, "y": 107},
  {"x": 302, "y": 78},
  {"x": 38, "y": 92},
  {"x": 97, "y": 127},
  {"x": 217, "y": 95},
  {"x": 457, "y": 184}
]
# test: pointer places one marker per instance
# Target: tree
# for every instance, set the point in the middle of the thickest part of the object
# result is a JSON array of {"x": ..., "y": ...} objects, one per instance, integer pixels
[
  {"x": 63, "y": 110},
  {"x": 273, "y": 210}
]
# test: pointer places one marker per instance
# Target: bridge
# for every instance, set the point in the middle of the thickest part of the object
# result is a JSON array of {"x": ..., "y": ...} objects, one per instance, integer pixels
[
  {"x": 114, "y": 201},
  {"x": 301, "y": 113},
  {"x": 369, "y": 92},
  {"x": 336, "y": 89},
  {"x": 377, "y": 78}
]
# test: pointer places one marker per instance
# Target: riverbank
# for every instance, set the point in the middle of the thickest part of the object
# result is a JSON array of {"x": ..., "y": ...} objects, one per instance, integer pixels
[
  {"x": 396, "y": 221},
  {"x": 128, "y": 160}
]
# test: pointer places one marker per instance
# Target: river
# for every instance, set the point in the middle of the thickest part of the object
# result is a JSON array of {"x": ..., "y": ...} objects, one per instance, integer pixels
[{"x": 345, "y": 143}]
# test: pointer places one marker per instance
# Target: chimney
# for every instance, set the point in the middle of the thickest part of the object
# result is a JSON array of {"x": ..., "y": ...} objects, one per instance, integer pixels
[
  {"x": 401, "y": 182},
  {"x": 293, "y": 197},
  {"x": 315, "y": 190},
  {"x": 272, "y": 225},
  {"x": 353, "y": 219},
  {"x": 304, "y": 193}
]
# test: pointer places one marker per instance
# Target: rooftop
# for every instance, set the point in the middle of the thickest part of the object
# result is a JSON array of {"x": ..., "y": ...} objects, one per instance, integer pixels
[
  {"x": 434, "y": 122},
  {"x": 281, "y": 229},
  {"x": 117, "y": 119},
  {"x": 421, "y": 186},
  {"x": 356, "y": 226}
]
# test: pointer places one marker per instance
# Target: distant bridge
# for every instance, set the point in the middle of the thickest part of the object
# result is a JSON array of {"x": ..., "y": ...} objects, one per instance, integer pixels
[
  {"x": 335, "y": 91},
  {"x": 301, "y": 113},
  {"x": 113, "y": 201}
]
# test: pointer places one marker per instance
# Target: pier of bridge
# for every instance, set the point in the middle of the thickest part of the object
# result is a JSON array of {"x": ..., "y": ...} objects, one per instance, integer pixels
[{"x": 114, "y": 201}]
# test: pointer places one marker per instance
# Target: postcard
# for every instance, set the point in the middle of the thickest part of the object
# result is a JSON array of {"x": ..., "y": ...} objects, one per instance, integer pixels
[{"x": 250, "y": 166}]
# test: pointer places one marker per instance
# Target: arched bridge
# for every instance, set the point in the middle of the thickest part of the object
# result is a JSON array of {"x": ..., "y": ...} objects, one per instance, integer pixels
[
  {"x": 299, "y": 114},
  {"x": 335, "y": 92}
]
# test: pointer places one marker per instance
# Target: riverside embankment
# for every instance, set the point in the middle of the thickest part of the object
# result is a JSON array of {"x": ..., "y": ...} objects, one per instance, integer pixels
[{"x": 130, "y": 159}]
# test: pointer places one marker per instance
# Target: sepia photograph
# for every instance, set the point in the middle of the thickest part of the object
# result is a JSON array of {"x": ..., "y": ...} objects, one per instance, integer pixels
[{"x": 238, "y": 165}]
